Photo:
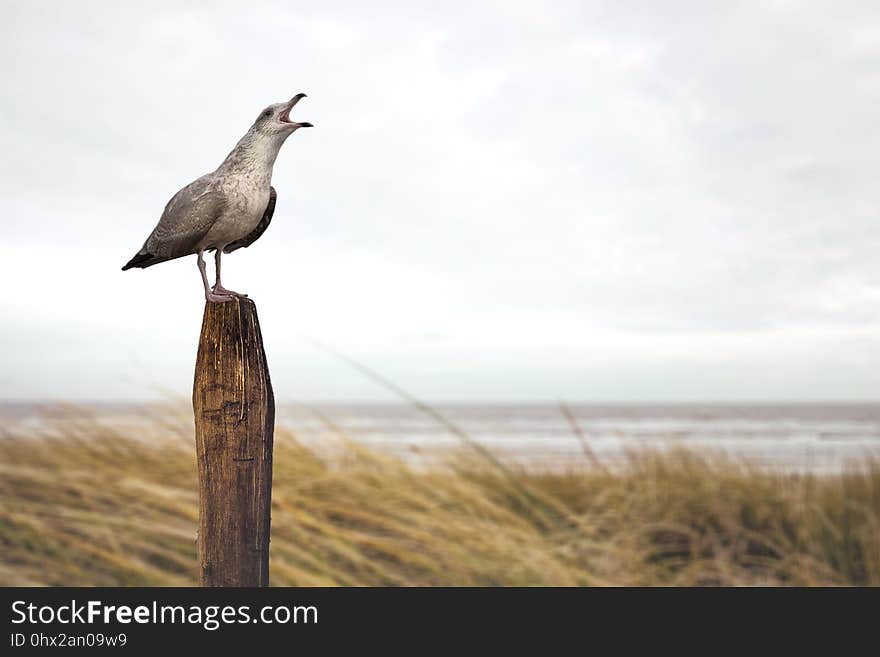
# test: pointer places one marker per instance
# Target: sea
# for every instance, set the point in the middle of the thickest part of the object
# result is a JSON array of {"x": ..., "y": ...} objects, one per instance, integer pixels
[{"x": 819, "y": 437}]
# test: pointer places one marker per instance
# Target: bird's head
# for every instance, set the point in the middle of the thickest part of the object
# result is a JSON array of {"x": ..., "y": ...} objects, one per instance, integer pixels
[{"x": 275, "y": 119}]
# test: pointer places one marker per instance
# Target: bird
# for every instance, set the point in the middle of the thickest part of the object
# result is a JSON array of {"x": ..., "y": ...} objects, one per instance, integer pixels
[{"x": 227, "y": 209}]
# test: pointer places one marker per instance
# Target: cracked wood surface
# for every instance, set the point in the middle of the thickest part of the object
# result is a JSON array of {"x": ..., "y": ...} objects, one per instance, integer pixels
[{"x": 234, "y": 412}]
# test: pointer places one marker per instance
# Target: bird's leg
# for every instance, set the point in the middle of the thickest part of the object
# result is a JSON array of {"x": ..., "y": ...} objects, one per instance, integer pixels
[
  {"x": 218, "y": 288},
  {"x": 209, "y": 295}
]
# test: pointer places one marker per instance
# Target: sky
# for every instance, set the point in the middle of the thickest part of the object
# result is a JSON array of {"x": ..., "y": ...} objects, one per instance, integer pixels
[{"x": 591, "y": 201}]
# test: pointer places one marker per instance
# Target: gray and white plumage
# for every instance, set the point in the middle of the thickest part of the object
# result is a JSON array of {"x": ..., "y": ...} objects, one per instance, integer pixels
[{"x": 227, "y": 209}]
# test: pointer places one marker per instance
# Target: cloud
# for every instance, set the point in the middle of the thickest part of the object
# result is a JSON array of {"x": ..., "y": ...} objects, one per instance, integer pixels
[{"x": 485, "y": 184}]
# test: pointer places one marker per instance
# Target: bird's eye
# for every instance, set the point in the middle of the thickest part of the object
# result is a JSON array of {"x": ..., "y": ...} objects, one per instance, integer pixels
[{"x": 267, "y": 113}]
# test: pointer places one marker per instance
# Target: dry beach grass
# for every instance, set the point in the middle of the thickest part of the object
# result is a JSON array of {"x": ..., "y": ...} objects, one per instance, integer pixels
[{"x": 93, "y": 506}]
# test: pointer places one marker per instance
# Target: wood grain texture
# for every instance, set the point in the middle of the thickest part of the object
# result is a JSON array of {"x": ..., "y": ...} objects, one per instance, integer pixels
[{"x": 234, "y": 412}]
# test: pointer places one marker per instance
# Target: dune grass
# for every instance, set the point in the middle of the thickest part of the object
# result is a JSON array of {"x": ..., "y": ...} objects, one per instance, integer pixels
[{"x": 91, "y": 506}]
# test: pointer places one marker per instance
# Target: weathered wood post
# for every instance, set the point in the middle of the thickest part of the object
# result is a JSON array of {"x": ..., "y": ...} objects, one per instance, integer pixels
[{"x": 235, "y": 416}]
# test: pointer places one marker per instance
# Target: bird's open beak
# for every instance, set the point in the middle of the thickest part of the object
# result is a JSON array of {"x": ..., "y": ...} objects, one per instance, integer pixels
[{"x": 284, "y": 117}]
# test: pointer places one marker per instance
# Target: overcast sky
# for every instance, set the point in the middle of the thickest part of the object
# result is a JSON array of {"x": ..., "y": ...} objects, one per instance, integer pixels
[{"x": 500, "y": 200}]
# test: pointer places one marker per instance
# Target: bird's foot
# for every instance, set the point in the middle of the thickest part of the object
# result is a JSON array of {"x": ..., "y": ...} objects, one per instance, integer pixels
[
  {"x": 219, "y": 289},
  {"x": 211, "y": 297}
]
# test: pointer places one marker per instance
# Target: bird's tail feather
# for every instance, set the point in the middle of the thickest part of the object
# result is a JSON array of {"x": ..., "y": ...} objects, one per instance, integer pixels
[{"x": 143, "y": 259}]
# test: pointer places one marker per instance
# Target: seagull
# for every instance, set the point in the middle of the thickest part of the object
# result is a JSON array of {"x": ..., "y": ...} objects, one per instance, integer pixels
[{"x": 227, "y": 209}]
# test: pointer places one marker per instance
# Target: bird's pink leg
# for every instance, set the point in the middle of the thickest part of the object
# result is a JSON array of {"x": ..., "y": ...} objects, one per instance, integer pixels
[
  {"x": 209, "y": 295},
  {"x": 218, "y": 288}
]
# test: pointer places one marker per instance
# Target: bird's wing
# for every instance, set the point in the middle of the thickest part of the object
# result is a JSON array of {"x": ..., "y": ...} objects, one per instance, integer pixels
[
  {"x": 254, "y": 235},
  {"x": 187, "y": 218}
]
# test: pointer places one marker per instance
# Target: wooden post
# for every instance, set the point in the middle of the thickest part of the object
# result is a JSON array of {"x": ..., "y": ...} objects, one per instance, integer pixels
[{"x": 235, "y": 416}]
